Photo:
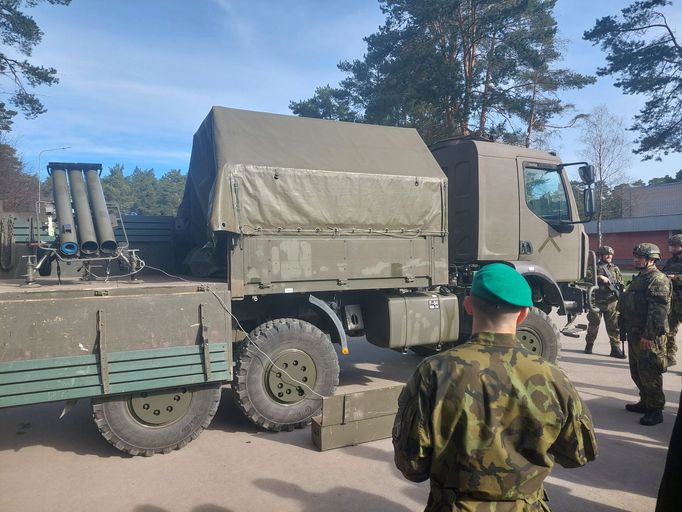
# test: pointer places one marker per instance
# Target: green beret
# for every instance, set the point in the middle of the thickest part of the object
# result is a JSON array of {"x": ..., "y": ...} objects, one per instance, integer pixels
[{"x": 498, "y": 282}]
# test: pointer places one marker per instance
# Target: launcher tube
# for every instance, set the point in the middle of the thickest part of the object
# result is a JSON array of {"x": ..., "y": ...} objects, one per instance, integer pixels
[
  {"x": 68, "y": 242},
  {"x": 100, "y": 212},
  {"x": 86, "y": 228}
]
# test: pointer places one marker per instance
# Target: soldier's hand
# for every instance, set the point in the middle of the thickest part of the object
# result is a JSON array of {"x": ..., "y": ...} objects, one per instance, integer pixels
[
  {"x": 604, "y": 279},
  {"x": 645, "y": 344}
]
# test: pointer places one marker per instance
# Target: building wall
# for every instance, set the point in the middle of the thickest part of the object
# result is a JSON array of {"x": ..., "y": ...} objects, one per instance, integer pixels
[
  {"x": 654, "y": 200},
  {"x": 650, "y": 214}
]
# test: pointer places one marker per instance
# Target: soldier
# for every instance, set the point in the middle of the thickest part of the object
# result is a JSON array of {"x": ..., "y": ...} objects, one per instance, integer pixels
[
  {"x": 610, "y": 282},
  {"x": 644, "y": 306},
  {"x": 673, "y": 269},
  {"x": 486, "y": 420}
]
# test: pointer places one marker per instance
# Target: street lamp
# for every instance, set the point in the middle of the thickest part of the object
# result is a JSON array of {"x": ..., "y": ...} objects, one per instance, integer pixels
[{"x": 40, "y": 154}]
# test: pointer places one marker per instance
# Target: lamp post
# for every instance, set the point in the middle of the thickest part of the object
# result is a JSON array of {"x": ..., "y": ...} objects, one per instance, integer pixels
[{"x": 40, "y": 154}]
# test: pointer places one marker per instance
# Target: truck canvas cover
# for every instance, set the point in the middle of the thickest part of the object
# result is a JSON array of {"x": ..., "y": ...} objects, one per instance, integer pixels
[{"x": 257, "y": 173}]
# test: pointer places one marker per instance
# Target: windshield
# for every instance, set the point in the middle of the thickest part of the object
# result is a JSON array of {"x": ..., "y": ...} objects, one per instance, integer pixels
[{"x": 546, "y": 194}]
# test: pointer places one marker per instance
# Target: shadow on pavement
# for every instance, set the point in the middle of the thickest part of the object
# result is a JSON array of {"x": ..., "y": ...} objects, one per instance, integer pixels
[
  {"x": 559, "y": 499},
  {"x": 336, "y": 499},
  {"x": 199, "y": 508},
  {"x": 39, "y": 425},
  {"x": 230, "y": 417},
  {"x": 593, "y": 360},
  {"x": 671, "y": 397},
  {"x": 626, "y": 448}
]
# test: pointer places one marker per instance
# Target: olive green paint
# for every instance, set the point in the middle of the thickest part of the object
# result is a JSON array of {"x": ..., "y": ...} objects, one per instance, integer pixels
[
  {"x": 92, "y": 339},
  {"x": 63, "y": 378},
  {"x": 355, "y": 418},
  {"x": 417, "y": 318}
]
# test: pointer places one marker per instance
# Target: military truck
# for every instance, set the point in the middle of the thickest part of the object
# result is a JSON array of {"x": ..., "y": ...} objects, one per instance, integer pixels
[{"x": 293, "y": 235}]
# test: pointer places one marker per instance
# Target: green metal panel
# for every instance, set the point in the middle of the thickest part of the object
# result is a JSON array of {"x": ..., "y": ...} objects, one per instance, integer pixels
[
  {"x": 62, "y": 378},
  {"x": 361, "y": 405},
  {"x": 297, "y": 264},
  {"x": 417, "y": 318},
  {"x": 146, "y": 228},
  {"x": 62, "y": 321},
  {"x": 371, "y": 404},
  {"x": 349, "y": 434},
  {"x": 355, "y": 418}
]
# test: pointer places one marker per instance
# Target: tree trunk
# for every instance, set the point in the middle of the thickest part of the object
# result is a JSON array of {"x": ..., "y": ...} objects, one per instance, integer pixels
[
  {"x": 599, "y": 196},
  {"x": 486, "y": 87},
  {"x": 531, "y": 114}
]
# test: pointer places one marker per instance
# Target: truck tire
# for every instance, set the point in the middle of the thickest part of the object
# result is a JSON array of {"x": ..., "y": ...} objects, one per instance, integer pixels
[
  {"x": 539, "y": 335},
  {"x": 282, "y": 372},
  {"x": 156, "y": 421}
]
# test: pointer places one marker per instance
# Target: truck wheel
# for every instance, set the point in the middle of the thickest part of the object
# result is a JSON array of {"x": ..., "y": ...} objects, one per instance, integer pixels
[
  {"x": 156, "y": 421},
  {"x": 283, "y": 370},
  {"x": 539, "y": 335}
]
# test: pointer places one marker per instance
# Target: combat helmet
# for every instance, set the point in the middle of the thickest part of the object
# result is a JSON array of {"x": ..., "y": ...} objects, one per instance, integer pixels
[
  {"x": 647, "y": 250},
  {"x": 604, "y": 249},
  {"x": 675, "y": 239}
]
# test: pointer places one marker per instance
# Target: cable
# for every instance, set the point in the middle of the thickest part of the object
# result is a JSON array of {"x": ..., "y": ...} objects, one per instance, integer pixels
[
  {"x": 109, "y": 277},
  {"x": 251, "y": 341}
]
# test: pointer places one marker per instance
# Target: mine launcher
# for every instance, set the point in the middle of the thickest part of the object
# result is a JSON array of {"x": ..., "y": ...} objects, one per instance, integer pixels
[{"x": 78, "y": 226}]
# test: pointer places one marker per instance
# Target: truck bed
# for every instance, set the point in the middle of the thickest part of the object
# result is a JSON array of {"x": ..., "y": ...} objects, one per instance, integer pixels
[
  {"x": 49, "y": 285},
  {"x": 82, "y": 339}
]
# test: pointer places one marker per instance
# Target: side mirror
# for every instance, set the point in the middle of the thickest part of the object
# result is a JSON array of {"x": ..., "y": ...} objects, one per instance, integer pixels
[
  {"x": 587, "y": 174},
  {"x": 588, "y": 202}
]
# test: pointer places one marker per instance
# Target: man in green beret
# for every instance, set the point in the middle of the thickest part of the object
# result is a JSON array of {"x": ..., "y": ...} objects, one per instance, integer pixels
[{"x": 485, "y": 421}]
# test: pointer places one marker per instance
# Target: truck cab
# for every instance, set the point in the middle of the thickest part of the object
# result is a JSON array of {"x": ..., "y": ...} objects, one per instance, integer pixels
[{"x": 514, "y": 204}]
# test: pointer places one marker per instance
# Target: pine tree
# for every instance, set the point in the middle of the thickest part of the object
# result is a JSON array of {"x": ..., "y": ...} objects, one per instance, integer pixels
[
  {"x": 20, "y": 34},
  {"x": 643, "y": 53}
]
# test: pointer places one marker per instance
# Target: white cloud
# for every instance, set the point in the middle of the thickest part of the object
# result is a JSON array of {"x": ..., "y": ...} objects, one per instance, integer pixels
[{"x": 137, "y": 78}]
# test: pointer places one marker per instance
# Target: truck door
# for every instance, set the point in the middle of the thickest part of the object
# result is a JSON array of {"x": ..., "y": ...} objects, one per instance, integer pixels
[{"x": 546, "y": 205}]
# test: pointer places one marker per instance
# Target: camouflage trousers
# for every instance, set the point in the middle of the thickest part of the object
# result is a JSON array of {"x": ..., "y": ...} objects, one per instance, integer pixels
[
  {"x": 446, "y": 500},
  {"x": 674, "y": 319},
  {"x": 608, "y": 311},
  {"x": 647, "y": 368}
]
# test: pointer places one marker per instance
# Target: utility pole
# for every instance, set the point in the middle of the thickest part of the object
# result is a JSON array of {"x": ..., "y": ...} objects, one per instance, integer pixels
[{"x": 40, "y": 154}]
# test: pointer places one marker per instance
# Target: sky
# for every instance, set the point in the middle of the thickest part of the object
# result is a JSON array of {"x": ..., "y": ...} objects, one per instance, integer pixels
[{"x": 137, "y": 77}]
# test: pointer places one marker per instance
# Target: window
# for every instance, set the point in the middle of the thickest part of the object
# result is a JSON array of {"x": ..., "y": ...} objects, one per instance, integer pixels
[{"x": 545, "y": 194}]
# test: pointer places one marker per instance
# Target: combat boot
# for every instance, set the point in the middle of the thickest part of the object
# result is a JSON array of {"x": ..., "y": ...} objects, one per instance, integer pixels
[
  {"x": 638, "y": 407},
  {"x": 652, "y": 418},
  {"x": 671, "y": 361},
  {"x": 588, "y": 348},
  {"x": 617, "y": 352}
]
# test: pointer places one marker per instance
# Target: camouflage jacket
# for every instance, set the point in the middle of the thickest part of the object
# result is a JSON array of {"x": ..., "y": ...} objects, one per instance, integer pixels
[
  {"x": 646, "y": 303},
  {"x": 605, "y": 293},
  {"x": 485, "y": 422},
  {"x": 674, "y": 266}
]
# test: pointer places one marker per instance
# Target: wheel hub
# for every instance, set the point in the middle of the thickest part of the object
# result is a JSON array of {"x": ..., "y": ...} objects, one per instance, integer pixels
[
  {"x": 160, "y": 408},
  {"x": 291, "y": 377},
  {"x": 530, "y": 339}
]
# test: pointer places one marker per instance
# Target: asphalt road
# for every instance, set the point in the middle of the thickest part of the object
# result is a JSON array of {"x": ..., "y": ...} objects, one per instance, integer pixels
[{"x": 48, "y": 464}]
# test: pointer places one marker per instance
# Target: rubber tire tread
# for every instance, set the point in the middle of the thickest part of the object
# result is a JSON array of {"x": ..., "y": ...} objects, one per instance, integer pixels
[
  {"x": 125, "y": 433},
  {"x": 272, "y": 336},
  {"x": 547, "y": 330}
]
